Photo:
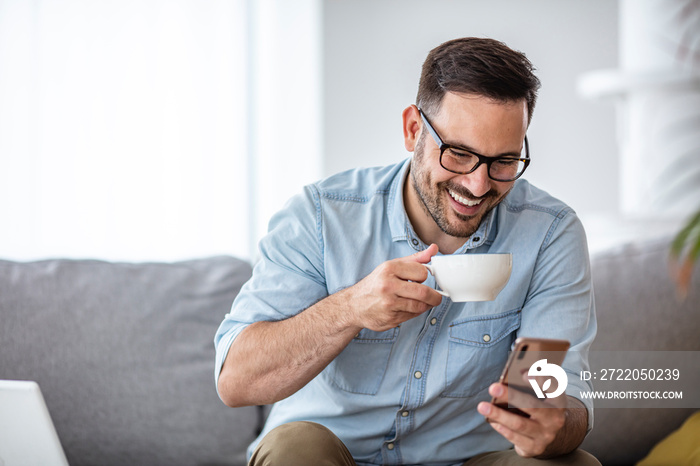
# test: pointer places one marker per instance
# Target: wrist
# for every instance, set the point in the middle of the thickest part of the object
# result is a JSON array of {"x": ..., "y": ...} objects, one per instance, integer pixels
[
  {"x": 572, "y": 433},
  {"x": 339, "y": 313}
]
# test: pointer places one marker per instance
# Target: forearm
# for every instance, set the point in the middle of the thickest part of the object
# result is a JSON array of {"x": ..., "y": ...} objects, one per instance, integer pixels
[
  {"x": 572, "y": 434},
  {"x": 270, "y": 361}
]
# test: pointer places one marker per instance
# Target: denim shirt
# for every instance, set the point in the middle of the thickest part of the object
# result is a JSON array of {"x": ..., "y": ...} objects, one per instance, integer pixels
[{"x": 408, "y": 395}]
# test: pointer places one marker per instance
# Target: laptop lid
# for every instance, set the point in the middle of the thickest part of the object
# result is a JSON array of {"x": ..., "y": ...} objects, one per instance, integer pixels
[{"x": 27, "y": 434}]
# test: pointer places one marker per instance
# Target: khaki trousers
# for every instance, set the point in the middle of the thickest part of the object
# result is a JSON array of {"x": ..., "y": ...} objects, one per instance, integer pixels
[{"x": 311, "y": 444}]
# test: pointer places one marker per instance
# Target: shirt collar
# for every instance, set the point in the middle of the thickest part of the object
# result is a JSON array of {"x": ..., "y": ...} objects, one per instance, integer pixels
[{"x": 402, "y": 230}]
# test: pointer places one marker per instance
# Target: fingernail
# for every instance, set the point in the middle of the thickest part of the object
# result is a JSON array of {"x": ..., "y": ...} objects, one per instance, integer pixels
[
  {"x": 484, "y": 408},
  {"x": 496, "y": 390}
]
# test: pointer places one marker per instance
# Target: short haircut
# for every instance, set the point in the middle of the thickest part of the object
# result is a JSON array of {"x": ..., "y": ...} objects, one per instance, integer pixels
[{"x": 480, "y": 66}]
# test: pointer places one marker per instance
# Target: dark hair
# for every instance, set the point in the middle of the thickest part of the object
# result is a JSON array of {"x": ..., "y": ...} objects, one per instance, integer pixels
[{"x": 479, "y": 66}]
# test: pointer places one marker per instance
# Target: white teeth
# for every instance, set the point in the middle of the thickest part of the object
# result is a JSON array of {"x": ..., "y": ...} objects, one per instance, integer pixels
[{"x": 463, "y": 200}]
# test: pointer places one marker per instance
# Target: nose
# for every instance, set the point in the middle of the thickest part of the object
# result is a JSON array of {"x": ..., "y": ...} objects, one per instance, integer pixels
[{"x": 478, "y": 181}]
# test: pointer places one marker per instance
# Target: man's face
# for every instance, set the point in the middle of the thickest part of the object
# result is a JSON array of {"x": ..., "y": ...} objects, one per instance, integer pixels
[{"x": 458, "y": 203}]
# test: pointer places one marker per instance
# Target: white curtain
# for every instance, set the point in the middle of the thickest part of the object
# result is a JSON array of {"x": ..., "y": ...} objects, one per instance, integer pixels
[{"x": 123, "y": 129}]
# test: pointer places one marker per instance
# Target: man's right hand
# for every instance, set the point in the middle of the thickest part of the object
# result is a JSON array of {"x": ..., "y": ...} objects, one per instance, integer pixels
[
  {"x": 393, "y": 293},
  {"x": 269, "y": 361}
]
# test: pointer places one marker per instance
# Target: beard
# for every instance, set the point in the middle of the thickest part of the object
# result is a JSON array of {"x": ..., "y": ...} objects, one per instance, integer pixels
[{"x": 434, "y": 200}]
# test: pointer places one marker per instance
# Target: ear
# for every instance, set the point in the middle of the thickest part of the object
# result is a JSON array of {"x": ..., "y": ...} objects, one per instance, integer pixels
[{"x": 412, "y": 125}]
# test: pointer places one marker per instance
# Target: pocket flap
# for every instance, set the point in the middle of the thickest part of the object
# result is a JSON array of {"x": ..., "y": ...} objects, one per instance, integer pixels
[
  {"x": 370, "y": 336},
  {"x": 484, "y": 330}
]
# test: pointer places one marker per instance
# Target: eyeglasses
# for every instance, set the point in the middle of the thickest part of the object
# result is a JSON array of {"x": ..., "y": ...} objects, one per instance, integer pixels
[{"x": 462, "y": 161}]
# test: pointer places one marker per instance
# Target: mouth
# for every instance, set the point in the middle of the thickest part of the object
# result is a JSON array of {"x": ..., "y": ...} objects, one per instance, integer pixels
[{"x": 463, "y": 200}]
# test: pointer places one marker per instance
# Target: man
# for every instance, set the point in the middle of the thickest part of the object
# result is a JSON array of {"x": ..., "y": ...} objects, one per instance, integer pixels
[{"x": 341, "y": 327}]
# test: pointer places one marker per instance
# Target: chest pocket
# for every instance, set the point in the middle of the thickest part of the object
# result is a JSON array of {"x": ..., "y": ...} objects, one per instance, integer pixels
[
  {"x": 360, "y": 368},
  {"x": 478, "y": 350}
]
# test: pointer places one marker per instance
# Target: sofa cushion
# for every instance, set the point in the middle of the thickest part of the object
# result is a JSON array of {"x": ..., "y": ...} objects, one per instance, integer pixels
[
  {"x": 124, "y": 356},
  {"x": 637, "y": 304}
]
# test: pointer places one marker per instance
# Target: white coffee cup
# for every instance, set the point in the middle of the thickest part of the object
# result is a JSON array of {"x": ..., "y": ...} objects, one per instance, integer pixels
[{"x": 471, "y": 277}]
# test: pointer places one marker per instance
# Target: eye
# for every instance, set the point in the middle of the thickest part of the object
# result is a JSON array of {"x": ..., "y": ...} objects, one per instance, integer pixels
[
  {"x": 460, "y": 154},
  {"x": 507, "y": 162}
]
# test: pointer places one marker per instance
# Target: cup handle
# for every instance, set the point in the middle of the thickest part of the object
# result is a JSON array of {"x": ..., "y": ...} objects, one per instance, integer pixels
[{"x": 432, "y": 271}]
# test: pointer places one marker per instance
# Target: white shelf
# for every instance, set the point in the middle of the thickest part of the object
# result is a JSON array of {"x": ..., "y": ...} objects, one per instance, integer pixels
[
  {"x": 606, "y": 231},
  {"x": 613, "y": 83}
]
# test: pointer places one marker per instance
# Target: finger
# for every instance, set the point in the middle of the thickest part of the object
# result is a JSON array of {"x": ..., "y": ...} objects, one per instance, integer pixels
[
  {"x": 521, "y": 400},
  {"x": 512, "y": 426},
  {"x": 411, "y": 267},
  {"x": 524, "y": 401},
  {"x": 395, "y": 319},
  {"x": 530, "y": 435},
  {"x": 410, "y": 271},
  {"x": 512, "y": 421},
  {"x": 522, "y": 432},
  {"x": 525, "y": 446},
  {"x": 425, "y": 255},
  {"x": 419, "y": 292},
  {"x": 545, "y": 418},
  {"x": 412, "y": 307}
]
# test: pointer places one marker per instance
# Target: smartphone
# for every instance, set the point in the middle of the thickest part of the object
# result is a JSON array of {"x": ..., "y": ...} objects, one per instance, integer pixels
[{"x": 525, "y": 353}]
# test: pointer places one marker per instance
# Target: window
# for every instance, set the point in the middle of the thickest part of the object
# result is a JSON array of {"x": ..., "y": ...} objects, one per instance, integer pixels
[{"x": 123, "y": 129}]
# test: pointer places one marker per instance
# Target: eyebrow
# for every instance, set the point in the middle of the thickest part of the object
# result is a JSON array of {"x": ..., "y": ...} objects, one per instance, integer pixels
[
  {"x": 469, "y": 149},
  {"x": 465, "y": 148}
]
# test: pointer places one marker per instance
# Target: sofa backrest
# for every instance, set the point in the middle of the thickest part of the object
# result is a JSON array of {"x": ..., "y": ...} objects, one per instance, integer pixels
[
  {"x": 124, "y": 352},
  {"x": 124, "y": 356}
]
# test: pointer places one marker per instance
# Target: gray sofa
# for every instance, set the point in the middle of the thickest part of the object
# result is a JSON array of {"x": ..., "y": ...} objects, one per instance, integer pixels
[{"x": 124, "y": 356}]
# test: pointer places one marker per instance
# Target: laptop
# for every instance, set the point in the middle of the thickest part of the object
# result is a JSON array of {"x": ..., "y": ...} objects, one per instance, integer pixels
[{"x": 27, "y": 434}]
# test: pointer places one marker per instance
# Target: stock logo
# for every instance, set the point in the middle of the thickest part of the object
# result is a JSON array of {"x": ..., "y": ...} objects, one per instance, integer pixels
[{"x": 542, "y": 368}]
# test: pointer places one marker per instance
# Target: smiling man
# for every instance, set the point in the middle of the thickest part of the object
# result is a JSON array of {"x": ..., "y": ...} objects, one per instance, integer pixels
[{"x": 342, "y": 329}]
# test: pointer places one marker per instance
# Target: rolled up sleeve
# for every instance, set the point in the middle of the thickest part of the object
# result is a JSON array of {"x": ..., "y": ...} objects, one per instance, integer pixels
[{"x": 288, "y": 278}]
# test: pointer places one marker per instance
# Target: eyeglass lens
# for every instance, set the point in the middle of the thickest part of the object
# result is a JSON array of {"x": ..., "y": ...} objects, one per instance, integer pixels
[{"x": 500, "y": 169}]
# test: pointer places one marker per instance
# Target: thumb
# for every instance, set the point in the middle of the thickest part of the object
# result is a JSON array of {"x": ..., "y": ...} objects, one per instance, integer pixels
[{"x": 425, "y": 255}]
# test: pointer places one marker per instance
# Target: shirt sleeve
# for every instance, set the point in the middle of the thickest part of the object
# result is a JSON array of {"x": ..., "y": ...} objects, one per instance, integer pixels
[
  {"x": 560, "y": 301},
  {"x": 289, "y": 276}
]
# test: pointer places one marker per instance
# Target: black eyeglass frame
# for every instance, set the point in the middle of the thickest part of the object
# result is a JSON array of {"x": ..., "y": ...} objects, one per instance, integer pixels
[{"x": 482, "y": 158}]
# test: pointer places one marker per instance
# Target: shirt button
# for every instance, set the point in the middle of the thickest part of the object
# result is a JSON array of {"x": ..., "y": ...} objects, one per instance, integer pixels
[
  {"x": 404, "y": 414},
  {"x": 433, "y": 321},
  {"x": 390, "y": 446},
  {"x": 414, "y": 241},
  {"x": 418, "y": 374},
  {"x": 487, "y": 338},
  {"x": 476, "y": 239}
]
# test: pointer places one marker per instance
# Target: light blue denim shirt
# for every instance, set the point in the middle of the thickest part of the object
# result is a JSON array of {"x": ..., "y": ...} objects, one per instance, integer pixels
[{"x": 408, "y": 395}]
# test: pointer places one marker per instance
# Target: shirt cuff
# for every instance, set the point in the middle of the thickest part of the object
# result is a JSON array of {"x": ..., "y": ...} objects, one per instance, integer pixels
[{"x": 222, "y": 348}]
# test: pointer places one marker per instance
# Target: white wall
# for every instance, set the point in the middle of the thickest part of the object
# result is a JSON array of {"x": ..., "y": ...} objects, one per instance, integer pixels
[{"x": 373, "y": 51}]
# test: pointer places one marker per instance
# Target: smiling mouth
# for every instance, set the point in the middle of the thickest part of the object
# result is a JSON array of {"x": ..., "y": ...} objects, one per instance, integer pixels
[{"x": 464, "y": 201}]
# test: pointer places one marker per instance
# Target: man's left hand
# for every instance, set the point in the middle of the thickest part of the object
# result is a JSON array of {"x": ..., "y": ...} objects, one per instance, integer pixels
[{"x": 530, "y": 436}]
